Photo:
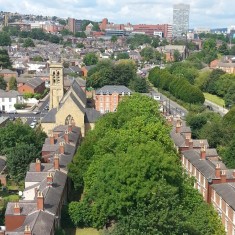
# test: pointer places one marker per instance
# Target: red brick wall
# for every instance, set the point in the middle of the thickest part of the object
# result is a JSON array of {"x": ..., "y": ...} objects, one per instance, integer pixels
[{"x": 13, "y": 222}]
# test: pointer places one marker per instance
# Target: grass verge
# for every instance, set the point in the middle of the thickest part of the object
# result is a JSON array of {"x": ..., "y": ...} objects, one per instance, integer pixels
[{"x": 215, "y": 99}]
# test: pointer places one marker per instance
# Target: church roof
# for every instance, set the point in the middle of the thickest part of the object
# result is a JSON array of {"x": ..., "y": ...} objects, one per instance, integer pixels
[
  {"x": 79, "y": 92},
  {"x": 50, "y": 117},
  {"x": 91, "y": 115}
]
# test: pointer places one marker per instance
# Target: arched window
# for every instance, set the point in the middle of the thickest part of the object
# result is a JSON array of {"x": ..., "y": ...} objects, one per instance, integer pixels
[{"x": 69, "y": 120}]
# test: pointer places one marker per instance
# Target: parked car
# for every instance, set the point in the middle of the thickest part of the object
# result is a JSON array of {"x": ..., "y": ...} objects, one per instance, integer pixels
[
  {"x": 33, "y": 125},
  {"x": 36, "y": 112},
  {"x": 12, "y": 111}
]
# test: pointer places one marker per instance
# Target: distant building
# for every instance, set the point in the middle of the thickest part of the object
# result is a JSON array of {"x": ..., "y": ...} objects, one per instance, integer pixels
[
  {"x": 74, "y": 25},
  {"x": 180, "y": 19},
  {"x": 162, "y": 30},
  {"x": 108, "y": 97},
  {"x": 35, "y": 85}
]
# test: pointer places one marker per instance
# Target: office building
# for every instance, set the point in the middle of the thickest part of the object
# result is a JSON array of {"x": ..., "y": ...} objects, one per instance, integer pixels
[{"x": 180, "y": 19}]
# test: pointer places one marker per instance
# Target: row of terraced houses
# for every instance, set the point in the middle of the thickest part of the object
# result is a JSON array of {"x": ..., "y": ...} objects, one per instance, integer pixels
[{"x": 213, "y": 179}]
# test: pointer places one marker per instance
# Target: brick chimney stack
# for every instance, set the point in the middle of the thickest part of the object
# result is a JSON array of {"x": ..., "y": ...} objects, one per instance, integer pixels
[
  {"x": 190, "y": 145},
  {"x": 52, "y": 138},
  {"x": 187, "y": 141},
  {"x": 38, "y": 165},
  {"x": 40, "y": 201},
  {"x": 16, "y": 209},
  {"x": 66, "y": 136},
  {"x": 27, "y": 230},
  {"x": 49, "y": 179},
  {"x": 61, "y": 148},
  {"x": 178, "y": 126},
  {"x": 56, "y": 162},
  {"x": 233, "y": 173},
  {"x": 70, "y": 127},
  {"x": 223, "y": 176},
  {"x": 203, "y": 153},
  {"x": 217, "y": 170}
]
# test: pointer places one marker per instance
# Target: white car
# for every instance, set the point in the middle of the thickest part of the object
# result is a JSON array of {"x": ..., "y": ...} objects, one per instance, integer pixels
[{"x": 33, "y": 125}]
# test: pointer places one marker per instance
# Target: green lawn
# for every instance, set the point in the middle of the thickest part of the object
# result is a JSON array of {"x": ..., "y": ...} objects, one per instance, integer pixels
[
  {"x": 87, "y": 231},
  {"x": 215, "y": 99}
]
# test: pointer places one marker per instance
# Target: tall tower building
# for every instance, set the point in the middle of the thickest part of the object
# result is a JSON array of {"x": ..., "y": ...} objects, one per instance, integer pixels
[
  {"x": 180, "y": 19},
  {"x": 56, "y": 84}
]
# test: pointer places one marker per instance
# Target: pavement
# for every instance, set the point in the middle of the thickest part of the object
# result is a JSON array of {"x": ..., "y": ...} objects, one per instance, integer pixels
[{"x": 216, "y": 108}]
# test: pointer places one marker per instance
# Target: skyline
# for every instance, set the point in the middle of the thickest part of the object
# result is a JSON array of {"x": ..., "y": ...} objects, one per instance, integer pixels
[{"x": 210, "y": 13}]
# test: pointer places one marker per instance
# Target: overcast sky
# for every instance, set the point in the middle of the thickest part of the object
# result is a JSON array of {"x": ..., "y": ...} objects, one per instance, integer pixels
[{"x": 203, "y": 13}]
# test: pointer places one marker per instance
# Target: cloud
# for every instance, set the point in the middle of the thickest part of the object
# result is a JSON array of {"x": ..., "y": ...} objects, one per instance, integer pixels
[{"x": 211, "y": 13}]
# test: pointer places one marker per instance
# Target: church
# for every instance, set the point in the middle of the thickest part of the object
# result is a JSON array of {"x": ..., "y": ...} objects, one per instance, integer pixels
[{"x": 67, "y": 107}]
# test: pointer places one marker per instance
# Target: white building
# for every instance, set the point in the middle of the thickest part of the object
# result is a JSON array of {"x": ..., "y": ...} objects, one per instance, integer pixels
[{"x": 8, "y": 99}]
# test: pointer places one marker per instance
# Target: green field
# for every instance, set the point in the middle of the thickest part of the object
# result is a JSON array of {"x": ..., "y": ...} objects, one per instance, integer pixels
[
  {"x": 215, "y": 99},
  {"x": 87, "y": 231}
]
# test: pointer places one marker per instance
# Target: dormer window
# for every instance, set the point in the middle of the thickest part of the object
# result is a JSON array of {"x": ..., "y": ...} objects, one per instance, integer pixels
[
  {"x": 123, "y": 93},
  {"x": 129, "y": 93}
]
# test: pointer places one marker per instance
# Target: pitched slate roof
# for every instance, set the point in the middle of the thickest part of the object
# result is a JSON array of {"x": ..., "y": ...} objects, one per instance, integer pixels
[
  {"x": 227, "y": 192},
  {"x": 91, "y": 115},
  {"x": 110, "y": 89},
  {"x": 50, "y": 116},
  {"x": 35, "y": 82},
  {"x": 206, "y": 167}
]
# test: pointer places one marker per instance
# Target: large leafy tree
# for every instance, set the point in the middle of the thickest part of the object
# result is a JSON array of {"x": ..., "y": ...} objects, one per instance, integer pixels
[
  {"x": 28, "y": 42},
  {"x": 12, "y": 84},
  {"x": 3, "y": 83},
  {"x": 18, "y": 159},
  {"x": 5, "y": 39},
  {"x": 132, "y": 179},
  {"x": 5, "y": 59},
  {"x": 90, "y": 59}
]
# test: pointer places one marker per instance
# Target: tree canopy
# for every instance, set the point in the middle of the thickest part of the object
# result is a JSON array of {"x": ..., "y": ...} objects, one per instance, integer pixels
[
  {"x": 90, "y": 59},
  {"x": 132, "y": 179},
  {"x": 22, "y": 145}
]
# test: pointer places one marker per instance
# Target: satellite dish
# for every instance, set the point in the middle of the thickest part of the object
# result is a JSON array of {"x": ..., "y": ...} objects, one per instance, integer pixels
[{"x": 20, "y": 193}]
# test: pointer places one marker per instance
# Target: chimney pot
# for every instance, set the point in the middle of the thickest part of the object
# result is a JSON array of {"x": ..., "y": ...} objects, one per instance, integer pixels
[
  {"x": 16, "y": 209},
  {"x": 66, "y": 137},
  {"x": 223, "y": 176},
  {"x": 52, "y": 139},
  {"x": 56, "y": 162},
  {"x": 190, "y": 144},
  {"x": 38, "y": 165},
  {"x": 203, "y": 153},
  {"x": 49, "y": 179},
  {"x": 40, "y": 201},
  {"x": 61, "y": 148},
  {"x": 178, "y": 126},
  {"x": 217, "y": 171},
  {"x": 27, "y": 230}
]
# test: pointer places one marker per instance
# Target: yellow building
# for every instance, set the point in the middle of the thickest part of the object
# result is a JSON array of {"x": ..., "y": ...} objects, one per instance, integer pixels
[{"x": 69, "y": 107}]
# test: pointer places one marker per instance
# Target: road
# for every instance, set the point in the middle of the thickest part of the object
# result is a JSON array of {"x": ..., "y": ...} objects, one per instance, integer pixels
[
  {"x": 170, "y": 105},
  {"x": 30, "y": 116},
  {"x": 216, "y": 108}
]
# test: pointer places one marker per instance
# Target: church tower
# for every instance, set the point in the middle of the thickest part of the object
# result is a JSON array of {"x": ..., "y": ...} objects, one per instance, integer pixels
[{"x": 56, "y": 83}]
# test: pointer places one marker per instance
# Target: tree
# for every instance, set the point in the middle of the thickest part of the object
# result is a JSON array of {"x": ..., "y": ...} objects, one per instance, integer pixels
[
  {"x": 121, "y": 56},
  {"x": 12, "y": 84},
  {"x": 37, "y": 58},
  {"x": 90, "y": 59},
  {"x": 177, "y": 56},
  {"x": 139, "y": 84},
  {"x": 3, "y": 84},
  {"x": 80, "y": 45},
  {"x": 147, "y": 53},
  {"x": 28, "y": 42},
  {"x": 14, "y": 134},
  {"x": 114, "y": 39},
  {"x": 18, "y": 159},
  {"x": 229, "y": 156},
  {"x": 5, "y": 39},
  {"x": 5, "y": 59},
  {"x": 223, "y": 49},
  {"x": 132, "y": 179}
]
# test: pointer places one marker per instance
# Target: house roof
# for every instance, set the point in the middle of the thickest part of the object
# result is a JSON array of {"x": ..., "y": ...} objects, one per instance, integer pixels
[
  {"x": 35, "y": 82},
  {"x": 227, "y": 192},
  {"x": 9, "y": 94},
  {"x": 110, "y": 89}
]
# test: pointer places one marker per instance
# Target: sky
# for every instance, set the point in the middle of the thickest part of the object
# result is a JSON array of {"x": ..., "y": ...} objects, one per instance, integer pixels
[{"x": 203, "y": 13}]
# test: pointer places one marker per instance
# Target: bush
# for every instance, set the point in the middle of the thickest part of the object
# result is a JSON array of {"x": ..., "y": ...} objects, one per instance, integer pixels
[{"x": 20, "y": 106}]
